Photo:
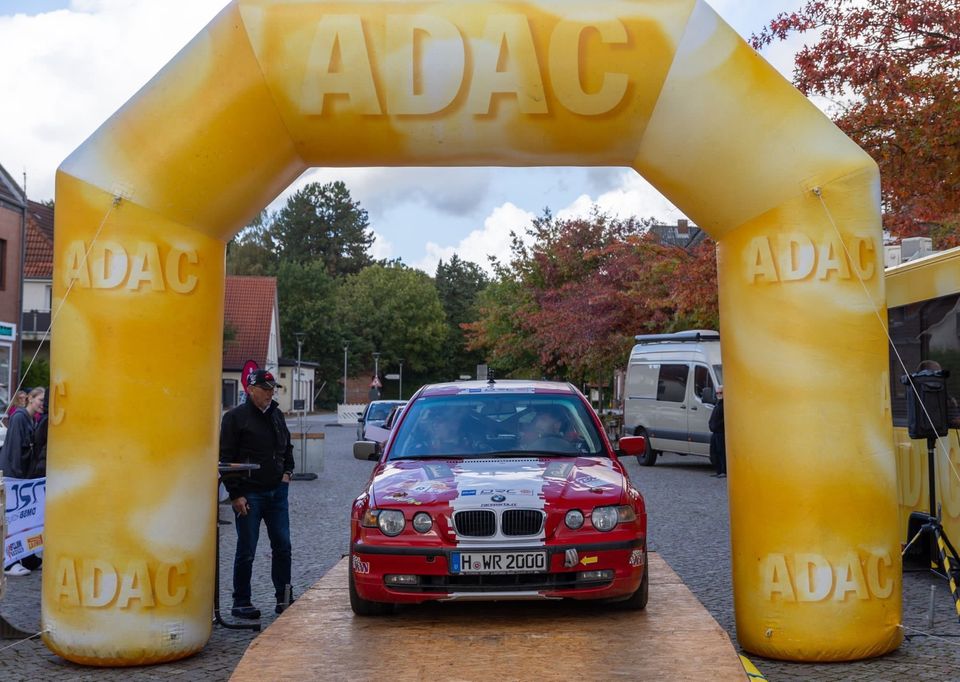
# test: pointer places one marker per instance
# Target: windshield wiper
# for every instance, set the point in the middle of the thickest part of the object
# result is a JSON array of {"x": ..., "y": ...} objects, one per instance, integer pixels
[{"x": 528, "y": 454}]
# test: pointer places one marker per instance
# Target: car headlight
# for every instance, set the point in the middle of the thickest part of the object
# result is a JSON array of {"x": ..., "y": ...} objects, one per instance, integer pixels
[
  {"x": 390, "y": 522},
  {"x": 607, "y": 518},
  {"x": 574, "y": 519},
  {"x": 422, "y": 523}
]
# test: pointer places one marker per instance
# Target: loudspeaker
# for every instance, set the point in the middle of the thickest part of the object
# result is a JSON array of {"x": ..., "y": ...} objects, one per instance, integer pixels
[{"x": 927, "y": 406}]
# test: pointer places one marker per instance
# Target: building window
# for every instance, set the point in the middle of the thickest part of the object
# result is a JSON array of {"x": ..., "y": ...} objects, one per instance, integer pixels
[
  {"x": 229, "y": 393},
  {"x": 3, "y": 264}
]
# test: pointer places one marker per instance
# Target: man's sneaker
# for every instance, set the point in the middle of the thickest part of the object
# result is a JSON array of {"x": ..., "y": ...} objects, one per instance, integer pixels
[
  {"x": 17, "y": 569},
  {"x": 281, "y": 607},
  {"x": 247, "y": 611}
]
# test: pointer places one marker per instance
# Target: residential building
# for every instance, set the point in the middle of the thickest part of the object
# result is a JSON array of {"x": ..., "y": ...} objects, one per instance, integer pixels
[
  {"x": 251, "y": 322},
  {"x": 13, "y": 221},
  {"x": 37, "y": 282},
  {"x": 683, "y": 234}
]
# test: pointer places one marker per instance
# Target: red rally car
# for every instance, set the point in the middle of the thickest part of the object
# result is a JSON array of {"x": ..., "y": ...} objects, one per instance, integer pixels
[{"x": 501, "y": 490}]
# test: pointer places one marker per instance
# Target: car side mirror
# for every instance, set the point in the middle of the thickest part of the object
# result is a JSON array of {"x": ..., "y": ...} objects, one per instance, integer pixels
[
  {"x": 708, "y": 395},
  {"x": 366, "y": 450},
  {"x": 633, "y": 445}
]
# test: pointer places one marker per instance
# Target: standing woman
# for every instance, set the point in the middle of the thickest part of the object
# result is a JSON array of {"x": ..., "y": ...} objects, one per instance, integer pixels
[
  {"x": 17, "y": 456},
  {"x": 19, "y": 402}
]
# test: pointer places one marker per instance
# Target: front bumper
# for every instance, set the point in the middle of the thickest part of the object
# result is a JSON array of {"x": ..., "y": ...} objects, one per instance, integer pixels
[{"x": 624, "y": 560}]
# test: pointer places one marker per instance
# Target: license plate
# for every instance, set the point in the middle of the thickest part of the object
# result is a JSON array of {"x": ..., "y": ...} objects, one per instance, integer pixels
[{"x": 498, "y": 562}]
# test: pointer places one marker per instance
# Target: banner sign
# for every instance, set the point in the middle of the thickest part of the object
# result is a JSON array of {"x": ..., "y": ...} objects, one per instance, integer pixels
[{"x": 23, "y": 513}]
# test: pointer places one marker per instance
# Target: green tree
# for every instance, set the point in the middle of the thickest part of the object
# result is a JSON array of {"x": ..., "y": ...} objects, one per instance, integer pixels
[
  {"x": 37, "y": 374},
  {"x": 252, "y": 251},
  {"x": 458, "y": 284},
  {"x": 395, "y": 311},
  {"x": 307, "y": 296},
  {"x": 323, "y": 223}
]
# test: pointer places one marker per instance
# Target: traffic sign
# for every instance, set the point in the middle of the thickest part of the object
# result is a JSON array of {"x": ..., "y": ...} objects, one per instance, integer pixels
[{"x": 392, "y": 377}]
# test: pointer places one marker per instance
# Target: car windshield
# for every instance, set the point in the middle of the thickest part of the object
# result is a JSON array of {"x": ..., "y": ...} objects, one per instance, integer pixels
[
  {"x": 379, "y": 411},
  {"x": 498, "y": 424}
]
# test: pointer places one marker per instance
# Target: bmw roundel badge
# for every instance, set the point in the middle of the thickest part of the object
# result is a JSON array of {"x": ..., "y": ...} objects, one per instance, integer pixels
[{"x": 498, "y": 498}]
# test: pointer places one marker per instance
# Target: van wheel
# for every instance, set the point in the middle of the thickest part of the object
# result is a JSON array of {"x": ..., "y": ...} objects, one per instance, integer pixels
[{"x": 649, "y": 456}]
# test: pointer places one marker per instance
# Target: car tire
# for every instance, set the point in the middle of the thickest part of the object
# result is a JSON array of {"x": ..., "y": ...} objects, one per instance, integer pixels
[
  {"x": 649, "y": 456},
  {"x": 638, "y": 600},
  {"x": 364, "y": 607}
]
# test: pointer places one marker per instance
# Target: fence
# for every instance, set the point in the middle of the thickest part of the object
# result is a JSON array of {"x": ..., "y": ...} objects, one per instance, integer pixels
[{"x": 349, "y": 414}]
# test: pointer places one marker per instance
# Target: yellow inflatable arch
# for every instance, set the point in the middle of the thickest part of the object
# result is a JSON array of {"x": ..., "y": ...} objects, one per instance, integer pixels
[{"x": 270, "y": 88}]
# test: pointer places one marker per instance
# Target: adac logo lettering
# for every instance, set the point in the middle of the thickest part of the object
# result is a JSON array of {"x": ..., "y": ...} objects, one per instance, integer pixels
[
  {"x": 392, "y": 87},
  {"x": 814, "y": 578},
  {"x": 795, "y": 257},
  {"x": 110, "y": 265}
]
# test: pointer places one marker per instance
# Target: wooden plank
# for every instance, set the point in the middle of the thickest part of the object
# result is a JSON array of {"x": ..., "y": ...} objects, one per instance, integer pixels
[{"x": 320, "y": 638}]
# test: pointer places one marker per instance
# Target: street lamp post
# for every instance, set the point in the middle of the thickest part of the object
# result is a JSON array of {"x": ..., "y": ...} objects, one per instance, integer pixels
[
  {"x": 345, "y": 347},
  {"x": 301, "y": 475},
  {"x": 376, "y": 369}
]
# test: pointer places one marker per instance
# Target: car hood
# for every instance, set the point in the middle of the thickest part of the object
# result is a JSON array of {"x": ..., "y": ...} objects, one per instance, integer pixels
[{"x": 506, "y": 482}]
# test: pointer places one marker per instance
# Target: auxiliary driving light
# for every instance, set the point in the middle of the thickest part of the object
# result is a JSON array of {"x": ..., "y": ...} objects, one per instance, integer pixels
[
  {"x": 574, "y": 519},
  {"x": 422, "y": 523},
  {"x": 401, "y": 580},
  {"x": 594, "y": 576}
]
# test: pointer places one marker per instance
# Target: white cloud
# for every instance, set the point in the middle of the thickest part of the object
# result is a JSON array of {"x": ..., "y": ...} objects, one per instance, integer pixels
[
  {"x": 492, "y": 240},
  {"x": 634, "y": 197},
  {"x": 67, "y": 71},
  {"x": 382, "y": 247},
  {"x": 381, "y": 189}
]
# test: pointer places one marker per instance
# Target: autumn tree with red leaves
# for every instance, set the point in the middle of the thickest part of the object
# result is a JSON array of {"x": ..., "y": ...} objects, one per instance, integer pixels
[
  {"x": 892, "y": 68},
  {"x": 569, "y": 304}
]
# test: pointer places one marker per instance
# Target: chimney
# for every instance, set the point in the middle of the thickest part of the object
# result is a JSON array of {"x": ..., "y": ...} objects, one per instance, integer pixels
[{"x": 683, "y": 226}]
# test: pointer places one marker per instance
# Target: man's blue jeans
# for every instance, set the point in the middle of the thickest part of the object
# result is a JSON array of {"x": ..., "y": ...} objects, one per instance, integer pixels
[{"x": 271, "y": 507}]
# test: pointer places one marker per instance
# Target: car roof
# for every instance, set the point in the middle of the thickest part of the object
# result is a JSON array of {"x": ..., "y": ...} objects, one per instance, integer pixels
[{"x": 499, "y": 386}]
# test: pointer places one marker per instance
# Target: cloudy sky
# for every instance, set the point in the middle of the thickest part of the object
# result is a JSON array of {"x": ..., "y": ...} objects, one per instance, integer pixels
[{"x": 69, "y": 64}]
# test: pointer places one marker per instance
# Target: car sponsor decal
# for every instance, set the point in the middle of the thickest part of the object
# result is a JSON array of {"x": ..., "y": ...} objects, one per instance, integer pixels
[
  {"x": 636, "y": 558},
  {"x": 589, "y": 560},
  {"x": 497, "y": 486},
  {"x": 559, "y": 470},
  {"x": 435, "y": 471},
  {"x": 360, "y": 567}
]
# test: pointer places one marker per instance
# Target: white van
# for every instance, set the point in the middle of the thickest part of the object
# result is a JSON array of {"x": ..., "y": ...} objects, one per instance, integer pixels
[{"x": 670, "y": 390}]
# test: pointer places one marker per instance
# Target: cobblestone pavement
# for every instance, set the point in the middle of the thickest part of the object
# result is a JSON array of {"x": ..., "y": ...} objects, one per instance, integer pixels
[{"x": 688, "y": 526}]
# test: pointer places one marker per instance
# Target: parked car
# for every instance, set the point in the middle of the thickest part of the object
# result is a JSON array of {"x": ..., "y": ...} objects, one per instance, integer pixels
[
  {"x": 374, "y": 415},
  {"x": 497, "y": 490},
  {"x": 380, "y": 432}
]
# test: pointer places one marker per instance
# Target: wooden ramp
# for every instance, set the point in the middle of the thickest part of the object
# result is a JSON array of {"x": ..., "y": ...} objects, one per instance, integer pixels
[{"x": 319, "y": 638}]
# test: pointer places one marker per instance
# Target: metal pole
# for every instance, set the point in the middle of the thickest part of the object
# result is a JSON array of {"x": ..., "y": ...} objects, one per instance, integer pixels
[
  {"x": 400, "y": 395},
  {"x": 345, "y": 347},
  {"x": 301, "y": 475},
  {"x": 376, "y": 371}
]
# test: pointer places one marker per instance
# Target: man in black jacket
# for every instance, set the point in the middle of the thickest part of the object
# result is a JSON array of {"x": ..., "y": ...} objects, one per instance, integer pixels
[{"x": 256, "y": 433}]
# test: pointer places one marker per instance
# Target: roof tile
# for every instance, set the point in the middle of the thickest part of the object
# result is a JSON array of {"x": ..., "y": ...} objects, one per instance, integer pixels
[
  {"x": 39, "y": 258},
  {"x": 248, "y": 309}
]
